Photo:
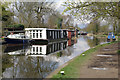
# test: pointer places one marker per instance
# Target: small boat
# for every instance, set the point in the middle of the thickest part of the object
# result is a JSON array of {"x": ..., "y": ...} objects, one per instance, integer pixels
[
  {"x": 83, "y": 33},
  {"x": 17, "y": 39},
  {"x": 111, "y": 36}
]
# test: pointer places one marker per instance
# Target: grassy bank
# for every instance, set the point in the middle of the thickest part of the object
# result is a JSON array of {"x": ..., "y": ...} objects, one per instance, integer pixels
[{"x": 72, "y": 70}]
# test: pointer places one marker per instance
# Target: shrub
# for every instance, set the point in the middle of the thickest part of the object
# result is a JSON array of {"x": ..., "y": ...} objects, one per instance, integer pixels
[{"x": 16, "y": 26}]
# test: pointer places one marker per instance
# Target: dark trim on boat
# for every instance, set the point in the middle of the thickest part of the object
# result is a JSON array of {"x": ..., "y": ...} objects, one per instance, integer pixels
[
  {"x": 39, "y": 41},
  {"x": 16, "y": 41}
]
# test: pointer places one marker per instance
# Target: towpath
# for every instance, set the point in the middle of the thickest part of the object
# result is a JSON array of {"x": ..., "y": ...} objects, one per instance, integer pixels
[{"x": 102, "y": 64}]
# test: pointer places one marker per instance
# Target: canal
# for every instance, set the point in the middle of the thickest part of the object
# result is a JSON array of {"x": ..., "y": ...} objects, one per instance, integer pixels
[{"x": 38, "y": 61}]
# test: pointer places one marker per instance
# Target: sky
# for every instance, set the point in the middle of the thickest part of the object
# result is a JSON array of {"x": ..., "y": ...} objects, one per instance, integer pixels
[{"x": 59, "y": 6}]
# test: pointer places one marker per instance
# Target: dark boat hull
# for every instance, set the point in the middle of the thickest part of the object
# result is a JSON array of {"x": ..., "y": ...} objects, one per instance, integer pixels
[
  {"x": 15, "y": 47},
  {"x": 39, "y": 41},
  {"x": 16, "y": 41},
  {"x": 83, "y": 33}
]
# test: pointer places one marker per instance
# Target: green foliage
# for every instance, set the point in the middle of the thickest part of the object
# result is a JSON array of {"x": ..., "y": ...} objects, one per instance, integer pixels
[
  {"x": 93, "y": 27},
  {"x": 59, "y": 24},
  {"x": 16, "y": 26},
  {"x": 6, "y": 63},
  {"x": 94, "y": 11},
  {"x": 6, "y": 14}
]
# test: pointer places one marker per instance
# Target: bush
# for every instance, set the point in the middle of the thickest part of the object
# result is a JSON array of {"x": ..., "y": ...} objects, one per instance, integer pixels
[{"x": 16, "y": 26}]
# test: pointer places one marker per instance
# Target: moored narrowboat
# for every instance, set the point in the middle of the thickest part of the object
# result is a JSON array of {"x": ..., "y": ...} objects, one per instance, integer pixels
[
  {"x": 17, "y": 39},
  {"x": 111, "y": 36},
  {"x": 45, "y": 35}
]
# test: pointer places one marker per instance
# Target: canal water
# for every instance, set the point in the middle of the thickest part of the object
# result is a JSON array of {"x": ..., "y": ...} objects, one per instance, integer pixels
[{"x": 38, "y": 61}]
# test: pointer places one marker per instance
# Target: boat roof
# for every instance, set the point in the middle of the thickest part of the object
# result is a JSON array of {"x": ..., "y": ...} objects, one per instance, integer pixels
[{"x": 42, "y": 29}]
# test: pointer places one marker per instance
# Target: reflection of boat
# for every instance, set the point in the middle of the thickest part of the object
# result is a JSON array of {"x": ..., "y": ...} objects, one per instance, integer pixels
[
  {"x": 37, "y": 50},
  {"x": 46, "y": 49},
  {"x": 17, "y": 39},
  {"x": 84, "y": 33},
  {"x": 71, "y": 42},
  {"x": 16, "y": 49}
]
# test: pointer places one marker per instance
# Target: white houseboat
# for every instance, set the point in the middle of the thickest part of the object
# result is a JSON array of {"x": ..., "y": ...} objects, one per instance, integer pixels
[{"x": 45, "y": 34}]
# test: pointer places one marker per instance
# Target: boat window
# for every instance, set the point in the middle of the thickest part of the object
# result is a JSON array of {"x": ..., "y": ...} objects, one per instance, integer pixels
[
  {"x": 33, "y": 35},
  {"x": 40, "y": 35},
  {"x": 36, "y": 49},
  {"x": 33, "y": 49},
  {"x": 50, "y": 33},
  {"x": 36, "y": 35},
  {"x": 40, "y": 49},
  {"x": 33, "y": 30},
  {"x": 36, "y": 30}
]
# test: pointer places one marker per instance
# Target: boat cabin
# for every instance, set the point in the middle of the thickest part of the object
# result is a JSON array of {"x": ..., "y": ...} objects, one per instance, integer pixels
[
  {"x": 45, "y": 34},
  {"x": 71, "y": 33}
]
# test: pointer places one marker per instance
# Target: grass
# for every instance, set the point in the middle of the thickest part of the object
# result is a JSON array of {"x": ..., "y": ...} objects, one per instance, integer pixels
[
  {"x": 118, "y": 39},
  {"x": 118, "y": 52},
  {"x": 73, "y": 68}
]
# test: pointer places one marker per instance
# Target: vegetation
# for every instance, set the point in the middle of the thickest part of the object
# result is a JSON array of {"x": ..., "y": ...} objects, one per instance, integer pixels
[
  {"x": 118, "y": 52},
  {"x": 72, "y": 69},
  {"x": 94, "y": 11},
  {"x": 6, "y": 62},
  {"x": 16, "y": 26},
  {"x": 34, "y": 14},
  {"x": 6, "y": 17}
]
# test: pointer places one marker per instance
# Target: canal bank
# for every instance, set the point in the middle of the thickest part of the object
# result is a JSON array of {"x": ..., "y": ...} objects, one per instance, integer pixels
[{"x": 80, "y": 66}]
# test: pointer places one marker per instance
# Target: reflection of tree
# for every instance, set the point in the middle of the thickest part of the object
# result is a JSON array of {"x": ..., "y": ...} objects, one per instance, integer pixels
[
  {"x": 96, "y": 40},
  {"x": 32, "y": 67},
  {"x": 6, "y": 62},
  {"x": 59, "y": 54},
  {"x": 93, "y": 42},
  {"x": 69, "y": 51}
]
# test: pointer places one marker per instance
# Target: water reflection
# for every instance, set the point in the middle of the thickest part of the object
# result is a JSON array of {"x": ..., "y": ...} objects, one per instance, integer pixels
[
  {"x": 16, "y": 49},
  {"x": 37, "y": 61},
  {"x": 93, "y": 41},
  {"x": 47, "y": 49}
]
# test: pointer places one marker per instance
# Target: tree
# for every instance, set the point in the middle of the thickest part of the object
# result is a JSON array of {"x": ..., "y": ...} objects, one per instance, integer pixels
[
  {"x": 104, "y": 29},
  {"x": 94, "y": 10},
  {"x": 32, "y": 14},
  {"x": 93, "y": 27},
  {"x": 7, "y": 15},
  {"x": 52, "y": 21},
  {"x": 68, "y": 20},
  {"x": 24, "y": 12}
]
